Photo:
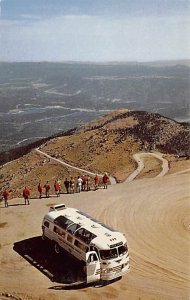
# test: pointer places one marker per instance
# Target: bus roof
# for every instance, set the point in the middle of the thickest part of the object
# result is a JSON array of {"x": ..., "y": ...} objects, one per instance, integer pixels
[{"x": 73, "y": 220}]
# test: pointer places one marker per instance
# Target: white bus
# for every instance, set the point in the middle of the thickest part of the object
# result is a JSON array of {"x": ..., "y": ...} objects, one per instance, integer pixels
[{"x": 102, "y": 250}]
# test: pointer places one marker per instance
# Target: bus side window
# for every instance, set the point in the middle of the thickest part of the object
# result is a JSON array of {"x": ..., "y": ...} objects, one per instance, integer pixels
[
  {"x": 62, "y": 233},
  {"x": 69, "y": 238},
  {"x": 80, "y": 245},
  {"x": 85, "y": 235},
  {"x": 56, "y": 229},
  {"x": 59, "y": 231}
]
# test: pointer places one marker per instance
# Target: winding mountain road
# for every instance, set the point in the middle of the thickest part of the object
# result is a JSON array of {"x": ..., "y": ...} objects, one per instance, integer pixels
[
  {"x": 137, "y": 158},
  {"x": 112, "y": 179}
]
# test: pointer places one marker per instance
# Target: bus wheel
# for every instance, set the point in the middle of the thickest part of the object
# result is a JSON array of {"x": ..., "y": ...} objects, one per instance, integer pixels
[{"x": 56, "y": 248}]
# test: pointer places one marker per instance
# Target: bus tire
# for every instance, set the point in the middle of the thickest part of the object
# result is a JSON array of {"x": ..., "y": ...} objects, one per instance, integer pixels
[{"x": 56, "y": 248}]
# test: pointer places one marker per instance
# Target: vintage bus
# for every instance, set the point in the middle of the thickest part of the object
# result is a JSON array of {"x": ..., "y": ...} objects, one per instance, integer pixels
[{"x": 102, "y": 250}]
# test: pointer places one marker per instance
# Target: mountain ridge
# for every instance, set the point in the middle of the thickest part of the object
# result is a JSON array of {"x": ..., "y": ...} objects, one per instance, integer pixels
[
  {"x": 106, "y": 144},
  {"x": 96, "y": 124}
]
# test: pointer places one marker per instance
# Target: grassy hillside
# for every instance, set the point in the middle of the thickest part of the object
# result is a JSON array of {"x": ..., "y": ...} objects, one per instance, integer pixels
[{"x": 106, "y": 144}]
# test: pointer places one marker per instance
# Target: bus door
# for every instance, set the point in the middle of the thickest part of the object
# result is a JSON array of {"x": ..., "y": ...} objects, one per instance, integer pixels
[{"x": 92, "y": 267}]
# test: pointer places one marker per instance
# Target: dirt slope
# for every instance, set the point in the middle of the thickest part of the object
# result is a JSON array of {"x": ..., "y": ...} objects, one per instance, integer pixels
[
  {"x": 106, "y": 144},
  {"x": 153, "y": 213}
]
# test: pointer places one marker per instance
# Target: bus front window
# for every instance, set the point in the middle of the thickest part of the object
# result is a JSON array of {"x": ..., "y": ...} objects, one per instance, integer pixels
[
  {"x": 122, "y": 250},
  {"x": 108, "y": 254}
]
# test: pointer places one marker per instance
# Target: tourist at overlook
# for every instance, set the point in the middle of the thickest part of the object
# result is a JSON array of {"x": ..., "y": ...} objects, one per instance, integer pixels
[
  {"x": 79, "y": 184},
  {"x": 84, "y": 178},
  {"x": 88, "y": 180},
  {"x": 105, "y": 180},
  {"x": 96, "y": 182},
  {"x": 57, "y": 188},
  {"x": 26, "y": 194},
  {"x": 67, "y": 184},
  {"x": 40, "y": 190},
  {"x": 59, "y": 182},
  {"x": 47, "y": 189},
  {"x": 72, "y": 185},
  {"x": 6, "y": 194}
]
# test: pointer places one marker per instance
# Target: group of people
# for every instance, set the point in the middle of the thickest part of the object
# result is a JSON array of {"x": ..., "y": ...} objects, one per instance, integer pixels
[
  {"x": 72, "y": 185},
  {"x": 26, "y": 194}
]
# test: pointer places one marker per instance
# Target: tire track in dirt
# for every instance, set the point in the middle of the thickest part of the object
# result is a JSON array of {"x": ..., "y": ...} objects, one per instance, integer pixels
[{"x": 155, "y": 221}]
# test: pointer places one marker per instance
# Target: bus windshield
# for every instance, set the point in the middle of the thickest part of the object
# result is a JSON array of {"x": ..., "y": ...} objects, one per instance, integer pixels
[
  {"x": 122, "y": 250},
  {"x": 108, "y": 254}
]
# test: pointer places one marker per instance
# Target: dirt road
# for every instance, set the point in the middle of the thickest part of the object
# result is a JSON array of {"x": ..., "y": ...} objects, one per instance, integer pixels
[
  {"x": 112, "y": 179},
  {"x": 138, "y": 157}
]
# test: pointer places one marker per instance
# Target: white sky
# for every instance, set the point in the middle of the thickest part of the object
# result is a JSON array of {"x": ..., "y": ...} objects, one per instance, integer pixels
[{"x": 109, "y": 30}]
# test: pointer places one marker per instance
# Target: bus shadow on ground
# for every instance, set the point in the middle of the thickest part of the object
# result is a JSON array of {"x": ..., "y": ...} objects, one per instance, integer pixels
[
  {"x": 81, "y": 285},
  {"x": 59, "y": 268}
]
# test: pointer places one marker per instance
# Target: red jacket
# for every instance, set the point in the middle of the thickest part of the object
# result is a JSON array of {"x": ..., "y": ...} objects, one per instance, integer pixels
[
  {"x": 56, "y": 186},
  {"x": 96, "y": 179},
  {"x": 26, "y": 192},
  {"x": 105, "y": 179},
  {"x": 5, "y": 195},
  {"x": 39, "y": 188}
]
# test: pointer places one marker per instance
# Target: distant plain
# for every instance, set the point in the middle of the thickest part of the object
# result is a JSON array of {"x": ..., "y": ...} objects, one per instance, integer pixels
[{"x": 41, "y": 99}]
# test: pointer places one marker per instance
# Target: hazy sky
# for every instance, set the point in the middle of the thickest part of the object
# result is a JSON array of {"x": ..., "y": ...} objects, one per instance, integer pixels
[{"x": 94, "y": 30}]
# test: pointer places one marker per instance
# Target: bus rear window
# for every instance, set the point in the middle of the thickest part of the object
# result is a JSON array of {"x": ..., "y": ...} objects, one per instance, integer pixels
[
  {"x": 85, "y": 235},
  {"x": 62, "y": 222},
  {"x": 108, "y": 254}
]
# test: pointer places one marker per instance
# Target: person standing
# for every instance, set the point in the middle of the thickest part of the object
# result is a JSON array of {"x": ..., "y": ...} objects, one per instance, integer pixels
[
  {"x": 47, "y": 189},
  {"x": 26, "y": 194},
  {"x": 6, "y": 196},
  {"x": 72, "y": 185},
  {"x": 59, "y": 182},
  {"x": 84, "y": 178},
  {"x": 79, "y": 184},
  {"x": 88, "y": 183},
  {"x": 96, "y": 182},
  {"x": 66, "y": 184},
  {"x": 57, "y": 188},
  {"x": 40, "y": 190},
  {"x": 105, "y": 180}
]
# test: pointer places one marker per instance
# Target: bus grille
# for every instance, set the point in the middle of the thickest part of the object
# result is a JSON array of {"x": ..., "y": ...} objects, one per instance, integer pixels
[{"x": 117, "y": 269}]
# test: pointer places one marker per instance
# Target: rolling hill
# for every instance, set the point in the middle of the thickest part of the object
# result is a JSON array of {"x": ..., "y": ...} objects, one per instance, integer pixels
[{"x": 106, "y": 144}]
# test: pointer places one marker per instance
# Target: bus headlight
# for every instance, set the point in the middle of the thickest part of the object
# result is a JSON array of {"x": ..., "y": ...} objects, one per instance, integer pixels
[{"x": 105, "y": 271}]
